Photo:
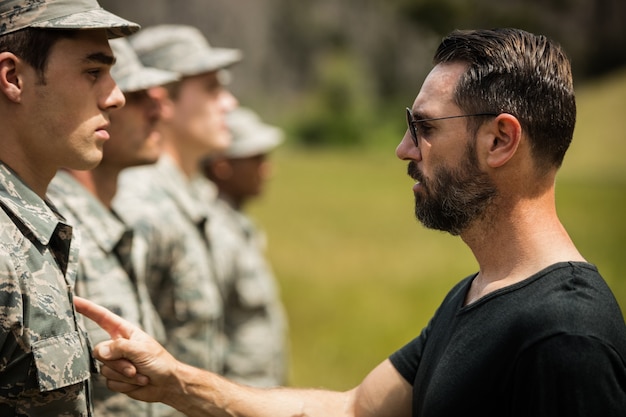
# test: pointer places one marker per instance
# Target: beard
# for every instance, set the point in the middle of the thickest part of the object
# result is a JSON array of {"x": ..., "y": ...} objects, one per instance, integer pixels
[{"x": 453, "y": 198}]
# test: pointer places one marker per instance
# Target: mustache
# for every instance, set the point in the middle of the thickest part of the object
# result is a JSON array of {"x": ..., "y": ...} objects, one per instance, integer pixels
[{"x": 414, "y": 172}]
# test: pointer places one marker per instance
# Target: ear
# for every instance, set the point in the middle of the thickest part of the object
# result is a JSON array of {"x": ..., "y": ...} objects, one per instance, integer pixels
[
  {"x": 10, "y": 81},
  {"x": 222, "y": 170},
  {"x": 505, "y": 138}
]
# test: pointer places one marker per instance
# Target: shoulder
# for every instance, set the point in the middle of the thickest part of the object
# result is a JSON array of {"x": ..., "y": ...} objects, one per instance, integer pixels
[
  {"x": 140, "y": 199},
  {"x": 569, "y": 299},
  {"x": 573, "y": 290}
]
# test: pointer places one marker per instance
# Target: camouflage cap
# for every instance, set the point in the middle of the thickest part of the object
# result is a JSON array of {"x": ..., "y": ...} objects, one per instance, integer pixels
[
  {"x": 182, "y": 49},
  {"x": 130, "y": 74},
  {"x": 61, "y": 14},
  {"x": 250, "y": 135}
]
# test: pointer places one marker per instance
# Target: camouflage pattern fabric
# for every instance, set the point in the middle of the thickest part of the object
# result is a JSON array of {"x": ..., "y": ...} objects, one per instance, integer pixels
[
  {"x": 107, "y": 276},
  {"x": 61, "y": 14},
  {"x": 255, "y": 325},
  {"x": 45, "y": 362},
  {"x": 158, "y": 201},
  {"x": 130, "y": 74},
  {"x": 182, "y": 49}
]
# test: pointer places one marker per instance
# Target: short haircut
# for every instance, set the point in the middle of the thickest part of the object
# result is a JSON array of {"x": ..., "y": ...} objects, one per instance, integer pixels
[
  {"x": 516, "y": 72},
  {"x": 33, "y": 45}
]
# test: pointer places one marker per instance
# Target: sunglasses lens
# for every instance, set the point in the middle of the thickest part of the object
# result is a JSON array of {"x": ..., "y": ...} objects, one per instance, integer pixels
[{"x": 409, "y": 122}]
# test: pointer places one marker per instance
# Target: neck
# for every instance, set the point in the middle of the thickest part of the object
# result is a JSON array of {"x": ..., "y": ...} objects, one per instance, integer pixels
[
  {"x": 524, "y": 238},
  {"x": 100, "y": 181},
  {"x": 186, "y": 157},
  {"x": 35, "y": 176},
  {"x": 236, "y": 203}
]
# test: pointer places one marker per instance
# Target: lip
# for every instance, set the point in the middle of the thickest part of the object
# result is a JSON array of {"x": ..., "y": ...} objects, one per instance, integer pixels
[
  {"x": 102, "y": 132},
  {"x": 417, "y": 186}
]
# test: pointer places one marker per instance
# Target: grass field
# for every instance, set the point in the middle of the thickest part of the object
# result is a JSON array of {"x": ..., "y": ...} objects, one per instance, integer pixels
[{"x": 360, "y": 277}]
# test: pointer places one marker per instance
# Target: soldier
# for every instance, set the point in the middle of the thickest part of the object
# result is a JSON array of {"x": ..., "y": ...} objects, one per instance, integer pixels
[
  {"x": 112, "y": 260},
  {"x": 161, "y": 201},
  {"x": 255, "y": 322},
  {"x": 56, "y": 93}
]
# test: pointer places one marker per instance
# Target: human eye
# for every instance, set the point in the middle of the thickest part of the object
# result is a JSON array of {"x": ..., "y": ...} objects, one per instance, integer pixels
[
  {"x": 94, "y": 73},
  {"x": 213, "y": 87},
  {"x": 422, "y": 128},
  {"x": 137, "y": 98}
]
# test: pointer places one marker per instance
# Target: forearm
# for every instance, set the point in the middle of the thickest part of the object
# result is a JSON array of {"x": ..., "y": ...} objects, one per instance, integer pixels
[{"x": 200, "y": 393}]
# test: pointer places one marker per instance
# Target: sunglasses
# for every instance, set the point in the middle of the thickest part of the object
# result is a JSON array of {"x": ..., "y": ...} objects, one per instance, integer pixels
[{"x": 412, "y": 122}]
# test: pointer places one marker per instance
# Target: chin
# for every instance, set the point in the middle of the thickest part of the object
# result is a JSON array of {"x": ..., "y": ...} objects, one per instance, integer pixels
[
  {"x": 145, "y": 160},
  {"x": 87, "y": 163},
  {"x": 221, "y": 143}
]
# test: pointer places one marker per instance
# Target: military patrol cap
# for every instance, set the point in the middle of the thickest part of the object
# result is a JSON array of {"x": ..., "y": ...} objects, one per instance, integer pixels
[
  {"x": 250, "y": 135},
  {"x": 61, "y": 14},
  {"x": 130, "y": 74},
  {"x": 182, "y": 49}
]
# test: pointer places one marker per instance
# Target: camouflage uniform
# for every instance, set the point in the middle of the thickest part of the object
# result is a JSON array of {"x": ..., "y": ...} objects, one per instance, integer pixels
[
  {"x": 255, "y": 321},
  {"x": 158, "y": 201},
  {"x": 108, "y": 276},
  {"x": 161, "y": 201},
  {"x": 44, "y": 359}
]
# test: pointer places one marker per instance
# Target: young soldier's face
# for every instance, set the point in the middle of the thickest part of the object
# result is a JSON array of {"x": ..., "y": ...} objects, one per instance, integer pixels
[
  {"x": 201, "y": 108},
  {"x": 135, "y": 139},
  {"x": 70, "y": 110}
]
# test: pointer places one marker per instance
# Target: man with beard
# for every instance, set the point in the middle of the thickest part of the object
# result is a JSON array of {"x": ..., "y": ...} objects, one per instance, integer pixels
[{"x": 535, "y": 332}]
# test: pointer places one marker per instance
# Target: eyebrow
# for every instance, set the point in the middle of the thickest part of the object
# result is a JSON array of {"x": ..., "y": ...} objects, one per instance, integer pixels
[
  {"x": 417, "y": 116},
  {"x": 100, "y": 58}
]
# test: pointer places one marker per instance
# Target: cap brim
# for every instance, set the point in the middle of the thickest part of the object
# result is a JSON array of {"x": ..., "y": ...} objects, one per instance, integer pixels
[
  {"x": 263, "y": 140},
  {"x": 216, "y": 59},
  {"x": 115, "y": 26},
  {"x": 146, "y": 78}
]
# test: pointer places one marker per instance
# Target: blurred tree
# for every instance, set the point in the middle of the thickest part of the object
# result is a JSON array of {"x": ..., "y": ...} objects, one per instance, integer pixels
[{"x": 306, "y": 60}]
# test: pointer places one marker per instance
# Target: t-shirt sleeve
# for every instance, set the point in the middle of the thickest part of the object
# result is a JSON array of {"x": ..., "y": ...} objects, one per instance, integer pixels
[
  {"x": 406, "y": 360},
  {"x": 570, "y": 375}
]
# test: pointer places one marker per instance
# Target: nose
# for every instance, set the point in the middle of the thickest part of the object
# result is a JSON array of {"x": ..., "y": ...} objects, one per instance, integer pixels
[
  {"x": 406, "y": 149},
  {"x": 228, "y": 101},
  {"x": 114, "y": 99},
  {"x": 152, "y": 107}
]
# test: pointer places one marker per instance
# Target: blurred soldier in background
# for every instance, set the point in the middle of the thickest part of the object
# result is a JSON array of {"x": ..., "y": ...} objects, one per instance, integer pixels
[
  {"x": 255, "y": 321},
  {"x": 112, "y": 260},
  {"x": 161, "y": 201},
  {"x": 55, "y": 97}
]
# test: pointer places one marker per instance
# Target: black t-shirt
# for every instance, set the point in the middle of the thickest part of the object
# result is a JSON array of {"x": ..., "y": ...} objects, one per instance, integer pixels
[{"x": 551, "y": 345}]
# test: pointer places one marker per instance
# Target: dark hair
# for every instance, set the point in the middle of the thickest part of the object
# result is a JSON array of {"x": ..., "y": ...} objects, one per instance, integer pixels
[
  {"x": 33, "y": 45},
  {"x": 516, "y": 72}
]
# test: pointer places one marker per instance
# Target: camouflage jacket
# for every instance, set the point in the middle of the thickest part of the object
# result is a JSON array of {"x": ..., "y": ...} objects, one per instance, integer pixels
[
  {"x": 108, "y": 276},
  {"x": 255, "y": 322},
  {"x": 159, "y": 202},
  {"x": 44, "y": 357}
]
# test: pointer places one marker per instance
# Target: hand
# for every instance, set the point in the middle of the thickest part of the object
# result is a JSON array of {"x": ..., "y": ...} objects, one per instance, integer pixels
[{"x": 133, "y": 362}]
